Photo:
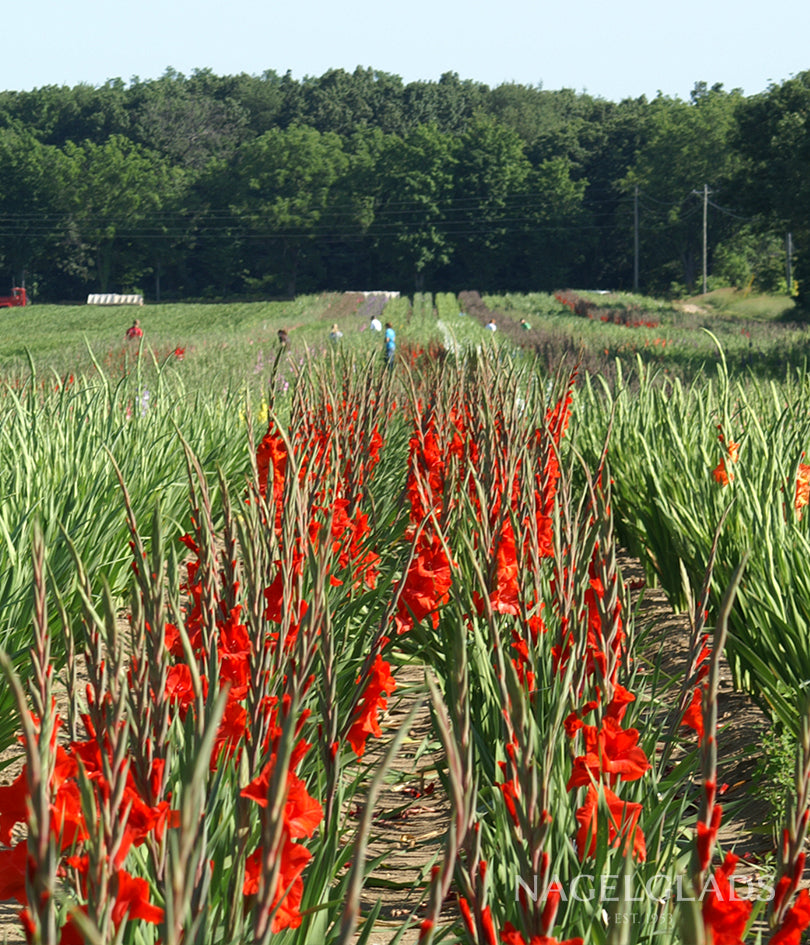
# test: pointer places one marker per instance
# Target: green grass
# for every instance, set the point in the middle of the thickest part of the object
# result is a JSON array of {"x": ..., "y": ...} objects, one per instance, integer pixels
[{"x": 743, "y": 305}]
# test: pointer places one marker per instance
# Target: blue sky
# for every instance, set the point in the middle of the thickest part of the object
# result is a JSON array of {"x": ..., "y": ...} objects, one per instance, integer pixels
[{"x": 614, "y": 50}]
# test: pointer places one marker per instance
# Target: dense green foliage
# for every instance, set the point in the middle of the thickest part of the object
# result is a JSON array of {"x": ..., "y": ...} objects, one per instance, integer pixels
[{"x": 259, "y": 186}]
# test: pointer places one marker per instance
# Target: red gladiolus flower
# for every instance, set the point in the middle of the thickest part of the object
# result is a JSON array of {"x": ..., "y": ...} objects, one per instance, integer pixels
[
  {"x": 302, "y": 813},
  {"x": 725, "y": 915},
  {"x": 511, "y": 936},
  {"x": 612, "y": 752},
  {"x": 707, "y": 835},
  {"x": 573, "y": 722},
  {"x": 427, "y": 585},
  {"x": 289, "y": 884},
  {"x": 13, "y": 808},
  {"x": 693, "y": 717},
  {"x": 13, "y": 864},
  {"x": 622, "y": 824},
  {"x": 374, "y": 700},
  {"x": 179, "y": 688},
  {"x": 618, "y": 704},
  {"x": 720, "y": 473},
  {"x": 132, "y": 900},
  {"x": 802, "y": 488},
  {"x": 272, "y": 451},
  {"x": 796, "y": 920}
]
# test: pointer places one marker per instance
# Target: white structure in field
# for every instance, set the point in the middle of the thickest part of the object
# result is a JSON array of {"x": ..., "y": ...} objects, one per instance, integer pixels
[{"x": 110, "y": 299}]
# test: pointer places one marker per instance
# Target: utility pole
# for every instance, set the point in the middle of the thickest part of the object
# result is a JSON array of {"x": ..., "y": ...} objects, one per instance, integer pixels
[
  {"x": 635, "y": 241},
  {"x": 705, "y": 234},
  {"x": 789, "y": 255}
]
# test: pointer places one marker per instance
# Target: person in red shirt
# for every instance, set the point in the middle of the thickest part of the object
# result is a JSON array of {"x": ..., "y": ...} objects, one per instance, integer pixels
[{"x": 134, "y": 331}]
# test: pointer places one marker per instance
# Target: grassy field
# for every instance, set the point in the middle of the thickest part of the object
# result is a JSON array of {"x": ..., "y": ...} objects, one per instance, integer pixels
[{"x": 235, "y": 343}]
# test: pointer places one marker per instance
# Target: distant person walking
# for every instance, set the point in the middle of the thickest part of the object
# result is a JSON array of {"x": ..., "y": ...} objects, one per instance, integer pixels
[
  {"x": 134, "y": 332},
  {"x": 335, "y": 334},
  {"x": 375, "y": 324},
  {"x": 491, "y": 326},
  {"x": 390, "y": 344}
]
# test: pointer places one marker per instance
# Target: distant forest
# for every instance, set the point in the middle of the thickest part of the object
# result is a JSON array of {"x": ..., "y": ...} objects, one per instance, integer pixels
[{"x": 245, "y": 186}]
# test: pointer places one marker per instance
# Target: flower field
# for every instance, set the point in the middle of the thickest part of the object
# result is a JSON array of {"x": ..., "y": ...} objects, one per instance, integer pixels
[{"x": 211, "y": 595}]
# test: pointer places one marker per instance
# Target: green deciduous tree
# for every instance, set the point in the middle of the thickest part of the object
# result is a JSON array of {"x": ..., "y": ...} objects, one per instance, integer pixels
[
  {"x": 281, "y": 194},
  {"x": 189, "y": 121},
  {"x": 414, "y": 192},
  {"x": 773, "y": 138},
  {"x": 687, "y": 149},
  {"x": 32, "y": 220},
  {"x": 487, "y": 217},
  {"x": 112, "y": 195}
]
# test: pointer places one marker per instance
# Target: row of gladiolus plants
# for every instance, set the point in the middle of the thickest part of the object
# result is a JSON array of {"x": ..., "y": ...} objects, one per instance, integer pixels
[
  {"x": 200, "y": 781},
  {"x": 722, "y": 459}
]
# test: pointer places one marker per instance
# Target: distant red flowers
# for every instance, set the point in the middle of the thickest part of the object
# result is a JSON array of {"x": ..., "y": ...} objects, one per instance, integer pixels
[
  {"x": 802, "y": 497},
  {"x": 721, "y": 474}
]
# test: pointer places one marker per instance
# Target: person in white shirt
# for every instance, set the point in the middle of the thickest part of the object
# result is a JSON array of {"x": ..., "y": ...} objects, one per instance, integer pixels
[
  {"x": 491, "y": 326},
  {"x": 376, "y": 324}
]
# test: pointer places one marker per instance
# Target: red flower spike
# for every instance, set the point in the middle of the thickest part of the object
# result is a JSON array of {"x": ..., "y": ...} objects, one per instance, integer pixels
[
  {"x": 425, "y": 929},
  {"x": 374, "y": 700},
  {"x": 802, "y": 488},
  {"x": 611, "y": 754},
  {"x": 622, "y": 825},
  {"x": 466, "y": 915},
  {"x": 706, "y": 837},
  {"x": 725, "y": 915},
  {"x": 426, "y": 586},
  {"x": 489, "y": 928},
  {"x": 511, "y": 936},
  {"x": 13, "y": 866},
  {"x": 693, "y": 717},
  {"x": 132, "y": 900},
  {"x": 796, "y": 920}
]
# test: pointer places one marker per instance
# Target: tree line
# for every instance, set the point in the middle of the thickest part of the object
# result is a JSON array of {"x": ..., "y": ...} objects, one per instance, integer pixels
[{"x": 208, "y": 186}]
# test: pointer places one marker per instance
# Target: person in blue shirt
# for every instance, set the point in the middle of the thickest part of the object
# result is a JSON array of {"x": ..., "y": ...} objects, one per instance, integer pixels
[{"x": 390, "y": 344}]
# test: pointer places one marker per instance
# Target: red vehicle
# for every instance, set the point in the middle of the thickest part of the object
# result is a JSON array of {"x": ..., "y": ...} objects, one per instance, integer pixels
[{"x": 17, "y": 298}]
